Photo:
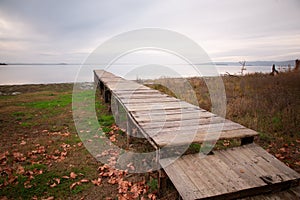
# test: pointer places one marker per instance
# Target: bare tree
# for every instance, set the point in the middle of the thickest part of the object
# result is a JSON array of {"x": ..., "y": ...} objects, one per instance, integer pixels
[{"x": 243, "y": 63}]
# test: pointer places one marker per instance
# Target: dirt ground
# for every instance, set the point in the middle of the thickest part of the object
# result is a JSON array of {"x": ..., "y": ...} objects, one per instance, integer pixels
[{"x": 42, "y": 157}]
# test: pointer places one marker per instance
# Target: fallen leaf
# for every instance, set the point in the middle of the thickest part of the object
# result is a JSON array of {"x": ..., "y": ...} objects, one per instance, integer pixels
[
  {"x": 57, "y": 180},
  {"x": 282, "y": 149},
  {"x": 27, "y": 184},
  {"x": 20, "y": 170},
  {"x": 3, "y": 156},
  {"x": 73, "y": 175},
  {"x": 65, "y": 177},
  {"x": 97, "y": 181},
  {"x": 297, "y": 163},
  {"x": 152, "y": 196},
  {"x": 49, "y": 198},
  {"x": 84, "y": 181},
  {"x": 74, "y": 184},
  {"x": 19, "y": 156},
  {"x": 41, "y": 149},
  {"x": 112, "y": 138},
  {"x": 64, "y": 153},
  {"x": 278, "y": 155},
  {"x": 12, "y": 179},
  {"x": 53, "y": 185},
  {"x": 23, "y": 142}
]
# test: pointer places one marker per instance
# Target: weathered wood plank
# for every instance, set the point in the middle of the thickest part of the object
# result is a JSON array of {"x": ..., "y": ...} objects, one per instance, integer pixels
[
  {"x": 193, "y": 192},
  {"x": 226, "y": 174},
  {"x": 199, "y": 128},
  {"x": 165, "y": 116},
  {"x": 290, "y": 194},
  {"x": 199, "y": 137},
  {"x": 181, "y": 122}
]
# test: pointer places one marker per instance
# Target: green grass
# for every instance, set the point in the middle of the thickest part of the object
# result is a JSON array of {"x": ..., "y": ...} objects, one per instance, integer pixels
[
  {"x": 72, "y": 140},
  {"x": 36, "y": 166},
  {"x": 106, "y": 120},
  {"x": 62, "y": 101},
  {"x": 153, "y": 184}
]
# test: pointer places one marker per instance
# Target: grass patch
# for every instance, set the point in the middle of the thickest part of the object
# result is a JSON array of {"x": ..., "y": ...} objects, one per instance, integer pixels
[
  {"x": 62, "y": 101},
  {"x": 36, "y": 166},
  {"x": 153, "y": 184},
  {"x": 106, "y": 120}
]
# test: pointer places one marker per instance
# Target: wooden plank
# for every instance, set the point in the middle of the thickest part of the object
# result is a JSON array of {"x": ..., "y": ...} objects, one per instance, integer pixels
[
  {"x": 199, "y": 178},
  {"x": 196, "y": 111},
  {"x": 181, "y": 177},
  {"x": 141, "y": 96},
  {"x": 137, "y": 91},
  {"x": 164, "y": 116},
  {"x": 274, "y": 162},
  {"x": 226, "y": 174},
  {"x": 290, "y": 194},
  {"x": 179, "y": 123},
  {"x": 165, "y": 139},
  {"x": 159, "y": 106},
  {"x": 199, "y": 129}
]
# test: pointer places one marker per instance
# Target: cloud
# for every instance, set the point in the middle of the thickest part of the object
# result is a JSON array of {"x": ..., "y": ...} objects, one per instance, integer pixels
[{"x": 67, "y": 31}]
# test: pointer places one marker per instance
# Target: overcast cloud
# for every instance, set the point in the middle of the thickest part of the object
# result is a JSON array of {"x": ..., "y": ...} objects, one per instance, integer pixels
[{"x": 67, "y": 31}]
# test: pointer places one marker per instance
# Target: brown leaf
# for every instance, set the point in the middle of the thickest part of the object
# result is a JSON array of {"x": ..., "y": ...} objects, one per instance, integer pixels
[
  {"x": 3, "y": 156},
  {"x": 64, "y": 153},
  {"x": 41, "y": 149},
  {"x": 84, "y": 181},
  {"x": 73, "y": 175},
  {"x": 53, "y": 185},
  {"x": 278, "y": 155},
  {"x": 297, "y": 163},
  {"x": 57, "y": 180},
  {"x": 19, "y": 156},
  {"x": 152, "y": 196},
  {"x": 23, "y": 142},
  {"x": 74, "y": 184},
  {"x": 27, "y": 184},
  {"x": 20, "y": 170},
  {"x": 97, "y": 181},
  {"x": 49, "y": 198},
  {"x": 65, "y": 177},
  {"x": 113, "y": 138},
  {"x": 12, "y": 179},
  {"x": 282, "y": 149}
]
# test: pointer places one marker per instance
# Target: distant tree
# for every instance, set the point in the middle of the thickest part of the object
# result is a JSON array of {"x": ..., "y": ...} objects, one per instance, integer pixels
[{"x": 243, "y": 63}]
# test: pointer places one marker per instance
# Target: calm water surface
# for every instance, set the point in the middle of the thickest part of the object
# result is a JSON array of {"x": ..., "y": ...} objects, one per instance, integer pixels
[{"x": 36, "y": 74}]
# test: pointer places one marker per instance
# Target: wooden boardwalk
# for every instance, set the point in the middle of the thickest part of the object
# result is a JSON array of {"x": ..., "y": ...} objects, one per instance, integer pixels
[
  {"x": 163, "y": 118},
  {"x": 167, "y": 121}
]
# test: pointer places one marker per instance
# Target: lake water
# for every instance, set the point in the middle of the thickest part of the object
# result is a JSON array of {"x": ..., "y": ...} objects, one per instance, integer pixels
[{"x": 36, "y": 74}]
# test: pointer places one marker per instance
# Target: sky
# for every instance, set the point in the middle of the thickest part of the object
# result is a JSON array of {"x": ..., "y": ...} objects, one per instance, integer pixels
[{"x": 55, "y": 31}]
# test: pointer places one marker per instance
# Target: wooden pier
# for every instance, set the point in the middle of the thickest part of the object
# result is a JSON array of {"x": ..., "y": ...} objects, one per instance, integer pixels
[{"x": 233, "y": 173}]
